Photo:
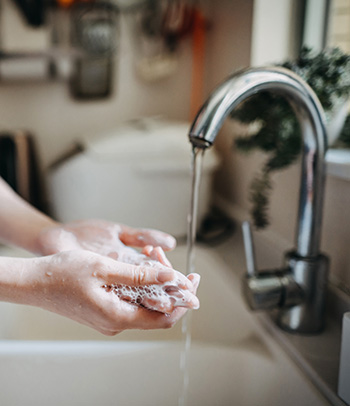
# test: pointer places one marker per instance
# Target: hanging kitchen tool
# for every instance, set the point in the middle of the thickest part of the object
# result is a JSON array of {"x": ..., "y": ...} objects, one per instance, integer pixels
[
  {"x": 159, "y": 27},
  {"x": 177, "y": 22},
  {"x": 95, "y": 31}
]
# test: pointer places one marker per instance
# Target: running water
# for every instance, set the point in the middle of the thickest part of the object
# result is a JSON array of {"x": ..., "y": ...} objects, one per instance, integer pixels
[{"x": 197, "y": 157}]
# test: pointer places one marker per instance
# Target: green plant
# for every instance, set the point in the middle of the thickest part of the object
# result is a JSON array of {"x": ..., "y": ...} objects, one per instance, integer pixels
[{"x": 278, "y": 134}]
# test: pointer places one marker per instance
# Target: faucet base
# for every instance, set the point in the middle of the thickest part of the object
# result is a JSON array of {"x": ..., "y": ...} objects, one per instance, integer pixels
[{"x": 311, "y": 274}]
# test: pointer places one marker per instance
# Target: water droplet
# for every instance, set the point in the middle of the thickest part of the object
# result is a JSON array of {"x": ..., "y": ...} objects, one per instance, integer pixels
[{"x": 49, "y": 273}]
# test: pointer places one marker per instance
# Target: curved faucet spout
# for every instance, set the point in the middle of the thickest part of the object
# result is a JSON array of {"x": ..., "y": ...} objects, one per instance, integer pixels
[{"x": 310, "y": 115}]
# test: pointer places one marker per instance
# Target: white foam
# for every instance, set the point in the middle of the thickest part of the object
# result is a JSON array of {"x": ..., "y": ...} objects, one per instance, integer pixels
[{"x": 162, "y": 298}]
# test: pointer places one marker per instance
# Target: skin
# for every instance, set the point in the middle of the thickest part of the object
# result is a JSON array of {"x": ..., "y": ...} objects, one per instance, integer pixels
[{"x": 76, "y": 260}]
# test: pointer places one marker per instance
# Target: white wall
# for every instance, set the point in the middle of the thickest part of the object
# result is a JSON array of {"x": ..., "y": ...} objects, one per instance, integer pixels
[
  {"x": 229, "y": 39},
  {"x": 273, "y": 31}
]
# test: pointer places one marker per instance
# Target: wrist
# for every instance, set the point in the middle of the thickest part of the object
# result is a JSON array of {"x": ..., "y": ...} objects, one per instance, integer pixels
[
  {"x": 15, "y": 280},
  {"x": 42, "y": 243},
  {"x": 20, "y": 223}
]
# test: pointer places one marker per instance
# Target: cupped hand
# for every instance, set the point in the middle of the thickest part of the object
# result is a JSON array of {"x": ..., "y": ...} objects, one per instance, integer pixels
[
  {"x": 108, "y": 239},
  {"x": 103, "y": 237},
  {"x": 114, "y": 241},
  {"x": 73, "y": 284}
]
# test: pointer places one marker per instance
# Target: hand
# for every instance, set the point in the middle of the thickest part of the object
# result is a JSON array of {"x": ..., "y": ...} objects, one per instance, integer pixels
[
  {"x": 111, "y": 240},
  {"x": 72, "y": 283},
  {"x": 106, "y": 238}
]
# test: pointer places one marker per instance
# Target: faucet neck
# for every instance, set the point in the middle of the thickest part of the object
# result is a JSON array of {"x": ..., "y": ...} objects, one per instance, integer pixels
[{"x": 310, "y": 115}]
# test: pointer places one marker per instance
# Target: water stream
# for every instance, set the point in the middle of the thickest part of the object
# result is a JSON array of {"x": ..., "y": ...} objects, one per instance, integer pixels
[{"x": 197, "y": 158}]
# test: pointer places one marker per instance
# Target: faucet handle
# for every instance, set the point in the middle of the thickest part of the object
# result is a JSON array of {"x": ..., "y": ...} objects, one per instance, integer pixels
[
  {"x": 249, "y": 248},
  {"x": 261, "y": 290},
  {"x": 268, "y": 289}
]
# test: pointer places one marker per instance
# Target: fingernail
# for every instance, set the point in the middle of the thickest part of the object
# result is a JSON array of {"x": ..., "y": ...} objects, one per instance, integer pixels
[
  {"x": 196, "y": 280},
  {"x": 164, "y": 276},
  {"x": 168, "y": 243},
  {"x": 195, "y": 303},
  {"x": 196, "y": 307}
]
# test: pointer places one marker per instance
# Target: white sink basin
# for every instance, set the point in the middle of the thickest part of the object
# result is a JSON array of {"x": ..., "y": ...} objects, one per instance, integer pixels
[
  {"x": 46, "y": 359},
  {"x": 133, "y": 374}
]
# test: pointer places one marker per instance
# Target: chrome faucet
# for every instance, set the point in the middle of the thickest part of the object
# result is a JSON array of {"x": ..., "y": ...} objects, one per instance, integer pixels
[{"x": 298, "y": 289}]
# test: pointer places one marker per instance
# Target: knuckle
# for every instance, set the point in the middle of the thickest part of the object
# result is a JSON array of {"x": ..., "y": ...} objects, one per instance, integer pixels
[
  {"x": 95, "y": 266},
  {"x": 95, "y": 262},
  {"x": 140, "y": 276}
]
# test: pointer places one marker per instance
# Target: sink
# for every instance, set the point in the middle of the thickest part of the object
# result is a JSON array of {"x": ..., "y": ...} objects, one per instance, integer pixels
[
  {"x": 122, "y": 373},
  {"x": 46, "y": 359}
]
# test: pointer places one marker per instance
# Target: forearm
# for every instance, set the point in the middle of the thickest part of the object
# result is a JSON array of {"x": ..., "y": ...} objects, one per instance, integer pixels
[{"x": 20, "y": 223}]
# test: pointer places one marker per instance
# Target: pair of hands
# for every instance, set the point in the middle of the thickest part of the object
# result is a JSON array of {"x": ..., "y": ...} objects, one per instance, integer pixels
[{"x": 80, "y": 259}]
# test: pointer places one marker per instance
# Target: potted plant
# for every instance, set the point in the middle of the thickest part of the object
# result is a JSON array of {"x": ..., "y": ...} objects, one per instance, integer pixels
[{"x": 278, "y": 133}]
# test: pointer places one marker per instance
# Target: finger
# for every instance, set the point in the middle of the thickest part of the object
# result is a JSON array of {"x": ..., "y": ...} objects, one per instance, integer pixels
[
  {"x": 114, "y": 272},
  {"x": 109, "y": 333},
  {"x": 159, "y": 302},
  {"x": 128, "y": 274},
  {"x": 172, "y": 297},
  {"x": 141, "y": 237},
  {"x": 195, "y": 279},
  {"x": 182, "y": 298},
  {"x": 147, "y": 250},
  {"x": 169, "y": 320},
  {"x": 144, "y": 319},
  {"x": 157, "y": 254},
  {"x": 164, "y": 306}
]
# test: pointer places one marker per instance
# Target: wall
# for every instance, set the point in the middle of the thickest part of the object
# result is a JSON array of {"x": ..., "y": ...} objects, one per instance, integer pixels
[
  {"x": 46, "y": 108},
  {"x": 339, "y": 30},
  {"x": 269, "y": 18},
  {"x": 258, "y": 46},
  {"x": 229, "y": 39},
  {"x": 56, "y": 119},
  {"x": 229, "y": 49}
]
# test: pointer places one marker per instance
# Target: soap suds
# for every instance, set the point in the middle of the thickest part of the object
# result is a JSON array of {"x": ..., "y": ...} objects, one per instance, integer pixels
[{"x": 162, "y": 298}]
